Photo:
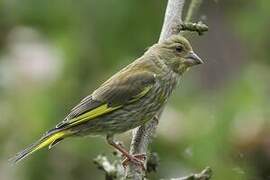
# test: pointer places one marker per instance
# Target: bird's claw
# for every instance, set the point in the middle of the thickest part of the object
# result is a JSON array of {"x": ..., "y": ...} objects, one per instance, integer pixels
[{"x": 137, "y": 159}]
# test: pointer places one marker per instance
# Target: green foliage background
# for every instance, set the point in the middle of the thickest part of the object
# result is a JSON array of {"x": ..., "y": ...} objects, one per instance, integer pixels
[{"x": 55, "y": 52}]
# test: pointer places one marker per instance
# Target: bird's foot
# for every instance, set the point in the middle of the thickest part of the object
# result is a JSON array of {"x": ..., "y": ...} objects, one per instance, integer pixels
[{"x": 137, "y": 159}]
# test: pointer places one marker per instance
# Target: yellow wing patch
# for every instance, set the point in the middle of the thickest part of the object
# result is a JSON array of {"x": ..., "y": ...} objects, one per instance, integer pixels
[{"x": 104, "y": 109}]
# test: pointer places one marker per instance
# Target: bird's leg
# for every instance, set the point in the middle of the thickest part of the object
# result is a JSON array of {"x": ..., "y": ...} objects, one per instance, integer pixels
[
  {"x": 137, "y": 159},
  {"x": 140, "y": 157}
]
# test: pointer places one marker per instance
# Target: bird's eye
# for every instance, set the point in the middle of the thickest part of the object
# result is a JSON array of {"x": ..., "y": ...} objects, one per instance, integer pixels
[{"x": 179, "y": 48}]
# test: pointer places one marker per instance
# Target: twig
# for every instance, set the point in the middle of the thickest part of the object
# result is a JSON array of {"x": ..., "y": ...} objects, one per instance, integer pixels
[
  {"x": 199, "y": 27},
  {"x": 139, "y": 145},
  {"x": 206, "y": 174},
  {"x": 193, "y": 7}
]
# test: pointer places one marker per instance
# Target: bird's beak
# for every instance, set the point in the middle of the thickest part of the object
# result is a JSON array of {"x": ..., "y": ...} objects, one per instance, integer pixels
[{"x": 193, "y": 59}]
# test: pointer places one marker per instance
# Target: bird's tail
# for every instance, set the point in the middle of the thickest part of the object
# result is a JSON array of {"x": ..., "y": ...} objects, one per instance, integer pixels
[{"x": 49, "y": 139}]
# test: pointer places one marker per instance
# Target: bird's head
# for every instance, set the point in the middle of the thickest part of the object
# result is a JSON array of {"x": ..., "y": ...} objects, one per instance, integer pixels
[{"x": 177, "y": 54}]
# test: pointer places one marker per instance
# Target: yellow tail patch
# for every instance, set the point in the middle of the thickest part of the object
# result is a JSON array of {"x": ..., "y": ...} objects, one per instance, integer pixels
[
  {"x": 43, "y": 142},
  {"x": 92, "y": 114},
  {"x": 50, "y": 140}
]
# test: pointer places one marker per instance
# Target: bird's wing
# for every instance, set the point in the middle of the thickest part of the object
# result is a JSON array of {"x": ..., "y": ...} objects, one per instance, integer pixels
[{"x": 113, "y": 94}]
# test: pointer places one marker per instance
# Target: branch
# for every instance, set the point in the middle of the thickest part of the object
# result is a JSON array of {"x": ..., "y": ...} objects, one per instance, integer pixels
[
  {"x": 114, "y": 171},
  {"x": 172, "y": 24},
  {"x": 199, "y": 27},
  {"x": 193, "y": 7},
  {"x": 173, "y": 17},
  {"x": 206, "y": 174}
]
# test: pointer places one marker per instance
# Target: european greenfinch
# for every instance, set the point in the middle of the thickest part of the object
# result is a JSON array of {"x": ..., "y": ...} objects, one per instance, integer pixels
[{"x": 127, "y": 100}]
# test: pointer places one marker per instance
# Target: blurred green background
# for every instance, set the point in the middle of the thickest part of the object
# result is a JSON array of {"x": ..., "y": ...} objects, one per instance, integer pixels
[{"x": 55, "y": 52}]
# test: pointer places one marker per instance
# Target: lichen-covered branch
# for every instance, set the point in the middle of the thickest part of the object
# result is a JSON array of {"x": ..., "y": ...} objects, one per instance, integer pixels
[
  {"x": 114, "y": 171},
  {"x": 206, "y": 174},
  {"x": 199, "y": 27},
  {"x": 139, "y": 145}
]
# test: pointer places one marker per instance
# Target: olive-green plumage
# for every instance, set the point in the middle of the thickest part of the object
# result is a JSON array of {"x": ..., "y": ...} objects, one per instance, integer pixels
[{"x": 129, "y": 98}]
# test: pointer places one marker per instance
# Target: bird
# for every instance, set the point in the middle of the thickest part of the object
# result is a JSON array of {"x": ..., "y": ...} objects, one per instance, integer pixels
[{"x": 127, "y": 100}]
